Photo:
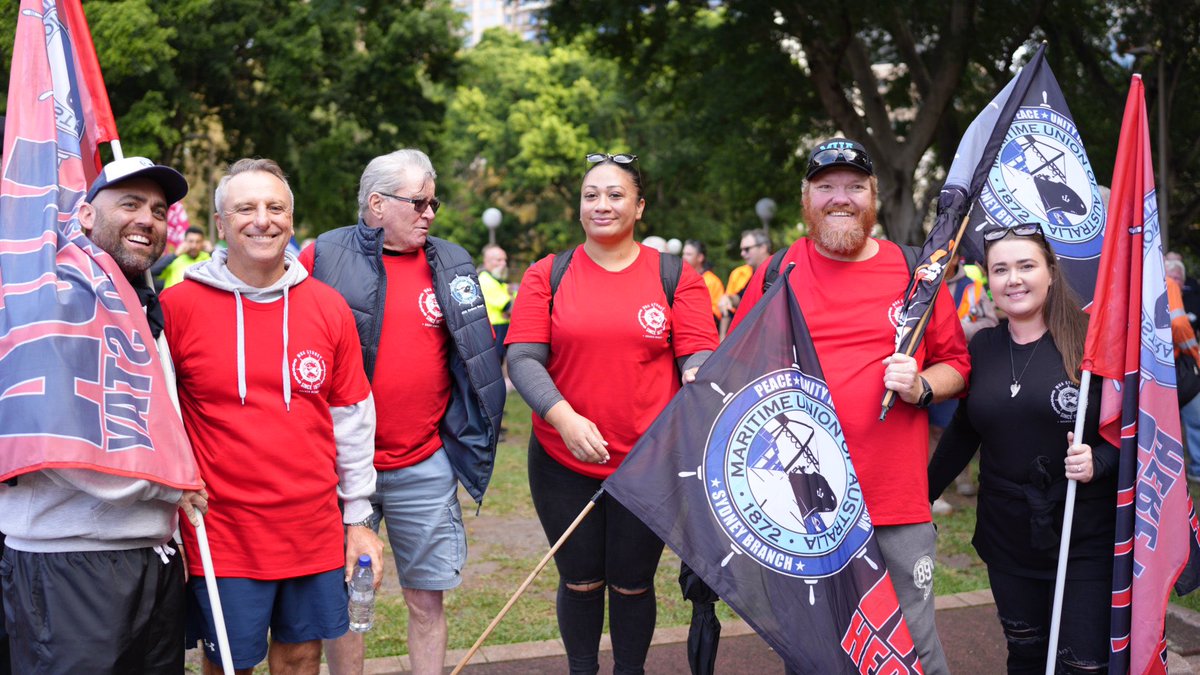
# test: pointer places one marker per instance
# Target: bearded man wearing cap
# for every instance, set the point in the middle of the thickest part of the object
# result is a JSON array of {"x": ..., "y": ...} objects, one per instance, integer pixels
[
  {"x": 850, "y": 287},
  {"x": 92, "y": 581}
]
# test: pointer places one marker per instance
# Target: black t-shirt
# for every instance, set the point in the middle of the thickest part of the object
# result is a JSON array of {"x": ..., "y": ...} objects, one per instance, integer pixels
[{"x": 1023, "y": 441}]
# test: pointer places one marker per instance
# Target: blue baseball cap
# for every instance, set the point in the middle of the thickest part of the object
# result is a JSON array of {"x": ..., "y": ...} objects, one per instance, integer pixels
[{"x": 173, "y": 184}]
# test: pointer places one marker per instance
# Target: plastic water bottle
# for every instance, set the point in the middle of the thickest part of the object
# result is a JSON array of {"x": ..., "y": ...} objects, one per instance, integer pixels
[{"x": 362, "y": 596}]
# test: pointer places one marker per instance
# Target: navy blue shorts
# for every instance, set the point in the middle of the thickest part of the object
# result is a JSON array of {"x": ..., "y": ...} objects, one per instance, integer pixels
[{"x": 295, "y": 610}]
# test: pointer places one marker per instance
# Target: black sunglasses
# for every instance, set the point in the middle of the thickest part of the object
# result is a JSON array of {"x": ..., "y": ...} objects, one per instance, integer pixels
[
  {"x": 623, "y": 158},
  {"x": 747, "y": 249},
  {"x": 419, "y": 204},
  {"x": 840, "y": 156},
  {"x": 998, "y": 232}
]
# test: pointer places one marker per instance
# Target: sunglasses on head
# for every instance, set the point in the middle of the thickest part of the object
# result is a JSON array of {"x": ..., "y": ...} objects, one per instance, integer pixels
[
  {"x": 841, "y": 155},
  {"x": 623, "y": 158},
  {"x": 419, "y": 204},
  {"x": 998, "y": 232}
]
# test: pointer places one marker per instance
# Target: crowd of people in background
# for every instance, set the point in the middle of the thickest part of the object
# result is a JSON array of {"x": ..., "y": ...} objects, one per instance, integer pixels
[{"x": 361, "y": 382}]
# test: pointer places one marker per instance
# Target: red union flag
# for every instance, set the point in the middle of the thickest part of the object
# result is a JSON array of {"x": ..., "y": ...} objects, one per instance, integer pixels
[
  {"x": 1129, "y": 344},
  {"x": 80, "y": 381}
]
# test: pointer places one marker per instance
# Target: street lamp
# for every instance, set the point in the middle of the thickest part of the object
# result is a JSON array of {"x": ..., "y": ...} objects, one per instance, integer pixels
[
  {"x": 765, "y": 208},
  {"x": 491, "y": 220}
]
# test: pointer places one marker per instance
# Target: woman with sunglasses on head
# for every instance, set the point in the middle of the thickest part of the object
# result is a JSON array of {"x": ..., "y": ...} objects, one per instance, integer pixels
[
  {"x": 597, "y": 359},
  {"x": 1019, "y": 412}
]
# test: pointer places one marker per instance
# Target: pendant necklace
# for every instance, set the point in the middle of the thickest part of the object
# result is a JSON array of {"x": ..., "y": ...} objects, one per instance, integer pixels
[{"x": 1015, "y": 387}]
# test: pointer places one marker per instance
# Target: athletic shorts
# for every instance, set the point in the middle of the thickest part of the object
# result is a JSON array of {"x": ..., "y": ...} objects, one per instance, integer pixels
[
  {"x": 294, "y": 610},
  {"x": 65, "y": 611},
  {"x": 424, "y": 523}
]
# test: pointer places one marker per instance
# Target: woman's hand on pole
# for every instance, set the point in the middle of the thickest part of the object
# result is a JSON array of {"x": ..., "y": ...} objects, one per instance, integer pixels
[
  {"x": 1079, "y": 460},
  {"x": 580, "y": 434}
]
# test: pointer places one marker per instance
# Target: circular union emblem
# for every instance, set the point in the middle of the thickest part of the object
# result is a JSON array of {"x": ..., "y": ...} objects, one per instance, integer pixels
[
  {"x": 430, "y": 307},
  {"x": 895, "y": 313},
  {"x": 464, "y": 290},
  {"x": 1158, "y": 349},
  {"x": 1064, "y": 400},
  {"x": 1042, "y": 174},
  {"x": 779, "y": 478},
  {"x": 653, "y": 318},
  {"x": 308, "y": 369}
]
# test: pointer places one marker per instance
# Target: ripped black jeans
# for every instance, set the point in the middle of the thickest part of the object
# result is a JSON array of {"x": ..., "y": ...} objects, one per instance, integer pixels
[
  {"x": 1024, "y": 606},
  {"x": 610, "y": 549}
]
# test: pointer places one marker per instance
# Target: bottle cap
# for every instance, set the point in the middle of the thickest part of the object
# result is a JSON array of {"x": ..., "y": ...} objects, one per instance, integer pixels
[{"x": 364, "y": 560}]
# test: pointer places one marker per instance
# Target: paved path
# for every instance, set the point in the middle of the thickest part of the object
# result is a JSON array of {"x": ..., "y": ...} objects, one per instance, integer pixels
[{"x": 966, "y": 623}]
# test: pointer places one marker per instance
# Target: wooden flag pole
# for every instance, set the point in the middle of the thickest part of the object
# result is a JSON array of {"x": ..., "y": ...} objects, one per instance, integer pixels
[
  {"x": 889, "y": 397},
  {"x": 528, "y": 580}
]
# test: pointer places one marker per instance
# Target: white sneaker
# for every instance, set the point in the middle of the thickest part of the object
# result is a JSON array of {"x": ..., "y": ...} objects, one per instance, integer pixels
[{"x": 941, "y": 507}]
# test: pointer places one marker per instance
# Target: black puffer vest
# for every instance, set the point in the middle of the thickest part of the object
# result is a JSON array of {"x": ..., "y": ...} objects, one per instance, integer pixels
[{"x": 350, "y": 259}]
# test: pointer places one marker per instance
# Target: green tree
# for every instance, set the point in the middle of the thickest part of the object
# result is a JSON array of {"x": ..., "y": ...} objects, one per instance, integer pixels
[
  {"x": 321, "y": 86},
  {"x": 516, "y": 132},
  {"x": 907, "y": 77}
]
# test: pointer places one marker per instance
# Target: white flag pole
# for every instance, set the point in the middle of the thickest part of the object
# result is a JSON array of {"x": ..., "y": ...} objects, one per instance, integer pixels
[
  {"x": 1064, "y": 545},
  {"x": 210, "y": 578},
  {"x": 214, "y": 598}
]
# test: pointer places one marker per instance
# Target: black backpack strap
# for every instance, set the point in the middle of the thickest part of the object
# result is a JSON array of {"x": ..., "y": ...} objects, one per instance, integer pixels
[
  {"x": 670, "y": 268},
  {"x": 773, "y": 266},
  {"x": 559, "y": 267},
  {"x": 912, "y": 255}
]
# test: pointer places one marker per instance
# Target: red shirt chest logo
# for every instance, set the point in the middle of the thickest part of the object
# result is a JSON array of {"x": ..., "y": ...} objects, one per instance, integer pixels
[
  {"x": 430, "y": 309},
  {"x": 653, "y": 318},
  {"x": 309, "y": 371}
]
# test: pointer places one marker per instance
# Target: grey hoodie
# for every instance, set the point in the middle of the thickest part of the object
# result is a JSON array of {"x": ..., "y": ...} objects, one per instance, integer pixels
[{"x": 353, "y": 425}]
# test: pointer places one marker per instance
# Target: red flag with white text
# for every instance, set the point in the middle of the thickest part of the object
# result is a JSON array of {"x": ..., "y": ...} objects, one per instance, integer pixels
[
  {"x": 81, "y": 385},
  {"x": 1129, "y": 344}
]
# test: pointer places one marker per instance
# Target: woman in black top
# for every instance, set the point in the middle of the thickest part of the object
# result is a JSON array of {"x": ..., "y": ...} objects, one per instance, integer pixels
[{"x": 1020, "y": 411}]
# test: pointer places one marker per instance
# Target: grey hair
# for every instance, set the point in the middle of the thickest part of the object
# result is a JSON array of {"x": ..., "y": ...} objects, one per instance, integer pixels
[
  {"x": 246, "y": 165},
  {"x": 1174, "y": 264},
  {"x": 760, "y": 236},
  {"x": 389, "y": 173}
]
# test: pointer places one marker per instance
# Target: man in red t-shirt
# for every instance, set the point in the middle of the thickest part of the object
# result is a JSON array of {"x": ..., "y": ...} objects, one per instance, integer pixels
[
  {"x": 282, "y": 423},
  {"x": 430, "y": 354},
  {"x": 850, "y": 287}
]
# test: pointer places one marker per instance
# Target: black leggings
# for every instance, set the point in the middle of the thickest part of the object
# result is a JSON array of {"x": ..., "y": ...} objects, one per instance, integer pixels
[
  {"x": 610, "y": 546},
  {"x": 1024, "y": 606}
]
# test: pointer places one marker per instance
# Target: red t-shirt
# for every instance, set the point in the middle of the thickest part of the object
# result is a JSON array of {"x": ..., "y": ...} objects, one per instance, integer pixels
[
  {"x": 851, "y": 309},
  {"x": 411, "y": 382},
  {"x": 270, "y": 472},
  {"x": 610, "y": 356}
]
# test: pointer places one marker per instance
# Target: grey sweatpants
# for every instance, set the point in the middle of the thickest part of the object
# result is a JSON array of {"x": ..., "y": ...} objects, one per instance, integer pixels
[{"x": 909, "y": 552}]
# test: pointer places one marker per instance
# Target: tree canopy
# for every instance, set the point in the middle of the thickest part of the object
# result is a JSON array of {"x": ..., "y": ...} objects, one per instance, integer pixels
[{"x": 720, "y": 100}]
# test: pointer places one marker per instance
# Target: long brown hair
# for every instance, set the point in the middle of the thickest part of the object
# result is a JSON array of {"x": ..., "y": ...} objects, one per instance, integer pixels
[{"x": 1066, "y": 322}]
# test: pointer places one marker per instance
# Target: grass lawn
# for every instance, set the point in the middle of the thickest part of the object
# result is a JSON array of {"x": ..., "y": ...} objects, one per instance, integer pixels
[{"x": 506, "y": 543}]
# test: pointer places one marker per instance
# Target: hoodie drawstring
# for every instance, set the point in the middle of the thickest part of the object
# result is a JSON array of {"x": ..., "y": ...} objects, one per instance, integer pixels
[
  {"x": 241, "y": 346},
  {"x": 287, "y": 376}
]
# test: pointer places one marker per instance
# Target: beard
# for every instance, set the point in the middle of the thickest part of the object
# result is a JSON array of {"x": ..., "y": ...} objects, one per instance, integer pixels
[
  {"x": 845, "y": 241},
  {"x": 108, "y": 233}
]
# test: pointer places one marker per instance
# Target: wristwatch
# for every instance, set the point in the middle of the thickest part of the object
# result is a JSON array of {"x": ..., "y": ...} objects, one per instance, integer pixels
[
  {"x": 362, "y": 523},
  {"x": 926, "y": 398}
]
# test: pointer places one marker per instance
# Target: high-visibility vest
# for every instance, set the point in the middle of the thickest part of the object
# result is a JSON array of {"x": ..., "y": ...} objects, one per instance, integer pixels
[{"x": 968, "y": 307}]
